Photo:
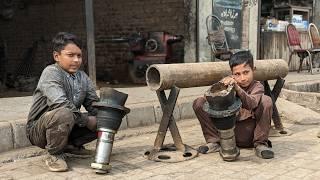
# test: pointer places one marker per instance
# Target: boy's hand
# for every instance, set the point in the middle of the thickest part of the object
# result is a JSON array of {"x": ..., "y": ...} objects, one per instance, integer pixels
[
  {"x": 229, "y": 80},
  {"x": 92, "y": 123}
]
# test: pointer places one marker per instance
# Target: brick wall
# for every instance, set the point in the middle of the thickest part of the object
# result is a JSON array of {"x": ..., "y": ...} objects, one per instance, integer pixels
[
  {"x": 40, "y": 20},
  {"x": 123, "y": 17}
]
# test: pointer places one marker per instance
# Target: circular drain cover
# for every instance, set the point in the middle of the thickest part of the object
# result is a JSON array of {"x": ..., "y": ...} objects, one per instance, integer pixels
[{"x": 170, "y": 154}]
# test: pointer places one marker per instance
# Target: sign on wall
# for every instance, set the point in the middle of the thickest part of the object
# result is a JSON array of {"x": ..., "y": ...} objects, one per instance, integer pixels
[{"x": 230, "y": 14}]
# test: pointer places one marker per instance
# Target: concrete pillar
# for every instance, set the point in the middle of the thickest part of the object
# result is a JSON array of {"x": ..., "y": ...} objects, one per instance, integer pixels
[
  {"x": 204, "y": 10},
  {"x": 316, "y": 12},
  {"x": 254, "y": 30},
  {"x": 190, "y": 37}
]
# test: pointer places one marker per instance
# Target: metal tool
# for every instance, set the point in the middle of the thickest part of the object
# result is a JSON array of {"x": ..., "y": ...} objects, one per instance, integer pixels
[
  {"x": 222, "y": 105},
  {"x": 111, "y": 110}
]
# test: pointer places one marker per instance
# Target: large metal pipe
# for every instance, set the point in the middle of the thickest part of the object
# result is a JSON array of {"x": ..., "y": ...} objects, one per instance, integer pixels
[{"x": 164, "y": 76}]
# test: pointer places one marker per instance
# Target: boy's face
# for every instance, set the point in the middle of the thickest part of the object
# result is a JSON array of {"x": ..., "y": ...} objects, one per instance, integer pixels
[
  {"x": 70, "y": 58},
  {"x": 243, "y": 74}
]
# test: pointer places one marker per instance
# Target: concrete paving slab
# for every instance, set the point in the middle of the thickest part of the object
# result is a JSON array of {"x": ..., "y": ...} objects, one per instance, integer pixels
[
  {"x": 141, "y": 115},
  {"x": 158, "y": 113},
  {"x": 6, "y": 140},
  {"x": 19, "y": 134},
  {"x": 292, "y": 159},
  {"x": 186, "y": 109},
  {"x": 296, "y": 113},
  {"x": 307, "y": 99}
]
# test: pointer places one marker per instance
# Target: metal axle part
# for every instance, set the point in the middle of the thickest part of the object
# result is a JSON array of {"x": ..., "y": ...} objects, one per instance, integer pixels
[{"x": 222, "y": 106}]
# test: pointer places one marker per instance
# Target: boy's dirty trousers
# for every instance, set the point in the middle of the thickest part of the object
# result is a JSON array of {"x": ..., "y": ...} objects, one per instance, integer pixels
[
  {"x": 55, "y": 129},
  {"x": 248, "y": 133}
]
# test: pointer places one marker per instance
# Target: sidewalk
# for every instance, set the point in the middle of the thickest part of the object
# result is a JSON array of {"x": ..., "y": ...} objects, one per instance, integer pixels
[{"x": 145, "y": 110}]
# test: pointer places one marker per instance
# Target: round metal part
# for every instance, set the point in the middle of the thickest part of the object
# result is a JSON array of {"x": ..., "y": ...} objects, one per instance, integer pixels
[
  {"x": 231, "y": 155},
  {"x": 101, "y": 168},
  {"x": 151, "y": 45},
  {"x": 228, "y": 151},
  {"x": 104, "y": 147},
  {"x": 219, "y": 96},
  {"x": 111, "y": 98},
  {"x": 170, "y": 154},
  {"x": 229, "y": 111},
  {"x": 109, "y": 118}
]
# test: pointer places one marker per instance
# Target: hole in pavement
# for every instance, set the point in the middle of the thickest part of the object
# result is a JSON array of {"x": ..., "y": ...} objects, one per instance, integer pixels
[
  {"x": 164, "y": 157},
  {"x": 283, "y": 132},
  {"x": 188, "y": 154}
]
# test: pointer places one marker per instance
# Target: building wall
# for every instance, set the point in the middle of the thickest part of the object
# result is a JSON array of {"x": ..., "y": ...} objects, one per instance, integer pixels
[
  {"x": 123, "y": 17},
  {"x": 249, "y": 28},
  {"x": 39, "y": 20}
]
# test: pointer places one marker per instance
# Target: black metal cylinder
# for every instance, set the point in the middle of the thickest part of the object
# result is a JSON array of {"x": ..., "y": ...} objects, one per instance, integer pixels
[
  {"x": 109, "y": 118},
  {"x": 224, "y": 123},
  {"x": 111, "y": 108}
]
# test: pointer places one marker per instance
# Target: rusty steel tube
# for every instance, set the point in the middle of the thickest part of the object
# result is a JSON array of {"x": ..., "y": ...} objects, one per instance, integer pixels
[{"x": 164, "y": 76}]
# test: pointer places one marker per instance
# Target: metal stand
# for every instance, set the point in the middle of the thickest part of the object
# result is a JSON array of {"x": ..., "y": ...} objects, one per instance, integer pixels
[
  {"x": 172, "y": 152},
  {"x": 274, "y": 94}
]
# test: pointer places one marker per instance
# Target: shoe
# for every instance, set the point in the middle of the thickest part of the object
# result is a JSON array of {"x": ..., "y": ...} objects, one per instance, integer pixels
[
  {"x": 208, "y": 148},
  {"x": 318, "y": 135},
  {"x": 78, "y": 152},
  {"x": 56, "y": 163},
  {"x": 264, "y": 152}
]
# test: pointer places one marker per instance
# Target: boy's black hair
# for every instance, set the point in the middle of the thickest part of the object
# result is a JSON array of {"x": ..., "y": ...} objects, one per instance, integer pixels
[
  {"x": 64, "y": 38},
  {"x": 241, "y": 57}
]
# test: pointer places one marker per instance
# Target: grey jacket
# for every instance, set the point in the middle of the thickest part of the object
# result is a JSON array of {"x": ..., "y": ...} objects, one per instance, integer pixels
[{"x": 57, "y": 88}]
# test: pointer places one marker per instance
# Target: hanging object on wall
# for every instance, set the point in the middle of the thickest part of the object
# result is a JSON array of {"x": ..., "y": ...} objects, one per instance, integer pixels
[{"x": 230, "y": 14}]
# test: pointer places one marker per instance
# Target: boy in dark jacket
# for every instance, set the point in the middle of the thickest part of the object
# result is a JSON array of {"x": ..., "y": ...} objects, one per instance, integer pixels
[{"x": 253, "y": 123}]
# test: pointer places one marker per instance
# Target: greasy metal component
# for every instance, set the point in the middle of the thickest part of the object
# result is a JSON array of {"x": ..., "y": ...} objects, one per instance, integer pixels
[
  {"x": 228, "y": 151},
  {"x": 111, "y": 110},
  {"x": 231, "y": 110},
  {"x": 169, "y": 153},
  {"x": 164, "y": 76},
  {"x": 274, "y": 94},
  {"x": 103, "y": 151},
  {"x": 222, "y": 106},
  {"x": 101, "y": 168}
]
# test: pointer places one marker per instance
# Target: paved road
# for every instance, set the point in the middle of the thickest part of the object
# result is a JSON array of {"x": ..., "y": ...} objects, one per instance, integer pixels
[{"x": 296, "y": 157}]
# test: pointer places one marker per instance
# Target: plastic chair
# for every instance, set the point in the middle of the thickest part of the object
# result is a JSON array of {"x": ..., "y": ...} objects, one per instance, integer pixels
[
  {"x": 294, "y": 44},
  {"x": 217, "y": 39}
]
